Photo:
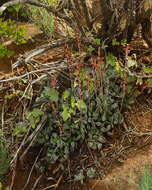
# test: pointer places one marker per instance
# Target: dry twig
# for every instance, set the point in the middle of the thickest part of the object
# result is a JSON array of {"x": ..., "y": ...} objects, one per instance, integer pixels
[{"x": 32, "y": 169}]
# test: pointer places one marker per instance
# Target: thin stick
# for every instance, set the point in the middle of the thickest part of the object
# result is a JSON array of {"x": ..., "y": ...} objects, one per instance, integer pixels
[
  {"x": 36, "y": 182},
  {"x": 2, "y": 116},
  {"x": 33, "y": 136},
  {"x": 14, "y": 174},
  {"x": 32, "y": 72},
  {"x": 22, "y": 144},
  {"x": 55, "y": 185},
  {"x": 32, "y": 169}
]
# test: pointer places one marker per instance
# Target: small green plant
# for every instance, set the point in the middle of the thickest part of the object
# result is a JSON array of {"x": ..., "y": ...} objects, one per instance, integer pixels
[
  {"x": 79, "y": 177},
  {"x": 86, "y": 111},
  {"x": 145, "y": 180},
  {"x": 91, "y": 172},
  {"x": 122, "y": 43},
  {"x": 32, "y": 119},
  {"x": 9, "y": 30},
  {"x": 17, "y": 12}
]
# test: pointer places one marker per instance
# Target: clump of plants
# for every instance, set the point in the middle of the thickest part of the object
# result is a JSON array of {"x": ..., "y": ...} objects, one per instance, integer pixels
[
  {"x": 9, "y": 30},
  {"x": 18, "y": 12},
  {"x": 87, "y": 110},
  {"x": 145, "y": 180},
  {"x": 43, "y": 19}
]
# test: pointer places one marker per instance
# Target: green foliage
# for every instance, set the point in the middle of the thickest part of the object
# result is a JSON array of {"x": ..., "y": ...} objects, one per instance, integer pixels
[
  {"x": 51, "y": 94},
  {"x": 43, "y": 19},
  {"x": 17, "y": 11},
  {"x": 116, "y": 43},
  {"x": 32, "y": 119},
  {"x": 91, "y": 172},
  {"x": 147, "y": 70},
  {"x": 7, "y": 188},
  {"x": 150, "y": 82},
  {"x": 4, "y": 51},
  {"x": 79, "y": 177},
  {"x": 18, "y": 93},
  {"x": 146, "y": 180},
  {"x": 4, "y": 162},
  {"x": 20, "y": 130},
  {"x": 15, "y": 8},
  {"x": 85, "y": 111},
  {"x": 90, "y": 48},
  {"x": 19, "y": 35},
  {"x": 9, "y": 30}
]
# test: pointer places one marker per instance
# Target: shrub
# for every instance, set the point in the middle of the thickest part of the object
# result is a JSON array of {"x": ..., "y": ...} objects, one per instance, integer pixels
[
  {"x": 86, "y": 111},
  {"x": 43, "y": 19}
]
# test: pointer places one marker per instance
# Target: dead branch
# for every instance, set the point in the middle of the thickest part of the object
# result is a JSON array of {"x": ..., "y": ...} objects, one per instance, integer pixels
[
  {"x": 34, "y": 135},
  {"x": 20, "y": 147},
  {"x": 37, "y": 181},
  {"x": 38, "y": 4},
  {"x": 29, "y": 73},
  {"x": 11, "y": 3},
  {"x": 32, "y": 168},
  {"x": 57, "y": 43},
  {"x": 52, "y": 69}
]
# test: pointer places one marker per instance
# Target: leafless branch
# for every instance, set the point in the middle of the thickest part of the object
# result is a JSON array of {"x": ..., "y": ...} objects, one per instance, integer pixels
[
  {"x": 32, "y": 169},
  {"x": 42, "y": 49},
  {"x": 32, "y": 72},
  {"x": 11, "y": 3}
]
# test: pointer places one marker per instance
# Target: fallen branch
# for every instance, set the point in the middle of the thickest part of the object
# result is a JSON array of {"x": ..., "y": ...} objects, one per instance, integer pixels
[
  {"x": 37, "y": 181},
  {"x": 32, "y": 72},
  {"x": 54, "y": 44},
  {"x": 57, "y": 43}
]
